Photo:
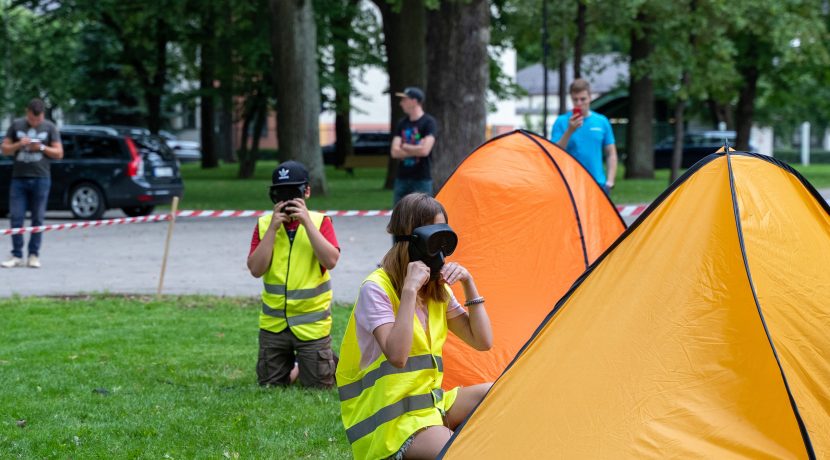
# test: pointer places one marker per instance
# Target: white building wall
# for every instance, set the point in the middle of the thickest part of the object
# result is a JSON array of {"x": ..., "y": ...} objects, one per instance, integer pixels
[{"x": 370, "y": 110}]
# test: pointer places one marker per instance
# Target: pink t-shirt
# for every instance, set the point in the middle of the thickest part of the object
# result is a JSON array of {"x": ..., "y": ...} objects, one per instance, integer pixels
[{"x": 374, "y": 309}]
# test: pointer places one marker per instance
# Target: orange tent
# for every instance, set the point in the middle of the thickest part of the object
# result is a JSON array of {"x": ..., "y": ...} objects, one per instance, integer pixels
[
  {"x": 531, "y": 220},
  {"x": 701, "y": 333}
]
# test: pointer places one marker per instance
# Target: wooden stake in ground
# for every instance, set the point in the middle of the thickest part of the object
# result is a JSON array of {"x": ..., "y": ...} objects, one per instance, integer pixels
[{"x": 174, "y": 207}]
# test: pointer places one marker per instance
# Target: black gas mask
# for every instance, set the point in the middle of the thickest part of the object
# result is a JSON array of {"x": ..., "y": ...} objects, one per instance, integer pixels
[
  {"x": 286, "y": 192},
  {"x": 430, "y": 244}
]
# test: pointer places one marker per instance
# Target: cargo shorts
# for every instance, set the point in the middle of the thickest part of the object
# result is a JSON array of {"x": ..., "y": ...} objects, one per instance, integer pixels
[{"x": 279, "y": 351}]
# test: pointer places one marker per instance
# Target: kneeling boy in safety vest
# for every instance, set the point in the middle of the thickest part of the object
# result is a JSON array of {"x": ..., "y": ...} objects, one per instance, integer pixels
[{"x": 293, "y": 251}]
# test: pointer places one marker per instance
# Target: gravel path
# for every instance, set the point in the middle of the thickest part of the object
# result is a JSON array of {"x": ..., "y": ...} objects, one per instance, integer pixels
[{"x": 207, "y": 256}]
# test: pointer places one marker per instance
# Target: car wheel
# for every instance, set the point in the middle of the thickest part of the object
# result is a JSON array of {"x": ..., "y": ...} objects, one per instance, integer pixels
[
  {"x": 87, "y": 202},
  {"x": 137, "y": 211}
]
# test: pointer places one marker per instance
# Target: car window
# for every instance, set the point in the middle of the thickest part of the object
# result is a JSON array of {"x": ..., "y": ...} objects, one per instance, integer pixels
[
  {"x": 695, "y": 140},
  {"x": 69, "y": 150},
  {"x": 154, "y": 144},
  {"x": 97, "y": 147}
]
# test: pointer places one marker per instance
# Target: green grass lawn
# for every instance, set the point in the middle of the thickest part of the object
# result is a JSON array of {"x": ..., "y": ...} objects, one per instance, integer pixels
[
  {"x": 220, "y": 189},
  {"x": 115, "y": 377}
]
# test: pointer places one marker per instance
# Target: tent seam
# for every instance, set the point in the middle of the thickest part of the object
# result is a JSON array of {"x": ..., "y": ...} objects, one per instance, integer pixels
[
  {"x": 739, "y": 228},
  {"x": 570, "y": 195}
]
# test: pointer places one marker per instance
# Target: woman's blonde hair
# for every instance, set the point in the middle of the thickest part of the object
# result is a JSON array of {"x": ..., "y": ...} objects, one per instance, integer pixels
[{"x": 412, "y": 211}]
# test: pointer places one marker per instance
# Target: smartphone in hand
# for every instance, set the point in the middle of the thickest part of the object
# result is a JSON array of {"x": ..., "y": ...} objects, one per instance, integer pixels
[{"x": 577, "y": 111}]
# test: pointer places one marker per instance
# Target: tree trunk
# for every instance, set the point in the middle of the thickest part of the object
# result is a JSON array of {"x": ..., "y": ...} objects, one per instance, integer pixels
[
  {"x": 225, "y": 138},
  {"x": 679, "y": 132},
  {"x": 581, "y": 33},
  {"x": 639, "y": 139},
  {"x": 406, "y": 59},
  {"x": 458, "y": 34},
  {"x": 247, "y": 163},
  {"x": 746, "y": 107},
  {"x": 226, "y": 101},
  {"x": 341, "y": 24},
  {"x": 680, "y": 107},
  {"x": 256, "y": 113},
  {"x": 563, "y": 77},
  {"x": 261, "y": 117},
  {"x": 721, "y": 112},
  {"x": 156, "y": 90},
  {"x": 207, "y": 107},
  {"x": 294, "y": 45}
]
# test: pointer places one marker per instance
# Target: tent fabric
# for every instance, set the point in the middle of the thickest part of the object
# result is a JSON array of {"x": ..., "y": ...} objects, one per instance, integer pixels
[
  {"x": 701, "y": 333},
  {"x": 531, "y": 220}
]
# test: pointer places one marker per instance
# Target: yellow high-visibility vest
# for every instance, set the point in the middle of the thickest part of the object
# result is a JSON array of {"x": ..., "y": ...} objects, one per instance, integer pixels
[
  {"x": 381, "y": 405},
  {"x": 295, "y": 293}
]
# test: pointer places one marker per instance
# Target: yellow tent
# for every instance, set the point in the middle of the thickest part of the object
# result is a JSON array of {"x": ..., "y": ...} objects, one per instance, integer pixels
[{"x": 703, "y": 332}]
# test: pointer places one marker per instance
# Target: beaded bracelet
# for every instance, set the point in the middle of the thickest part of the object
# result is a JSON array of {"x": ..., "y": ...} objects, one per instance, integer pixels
[{"x": 475, "y": 301}]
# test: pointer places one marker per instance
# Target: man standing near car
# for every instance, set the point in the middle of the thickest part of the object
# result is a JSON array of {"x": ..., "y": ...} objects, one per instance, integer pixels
[
  {"x": 587, "y": 136},
  {"x": 412, "y": 143},
  {"x": 34, "y": 142}
]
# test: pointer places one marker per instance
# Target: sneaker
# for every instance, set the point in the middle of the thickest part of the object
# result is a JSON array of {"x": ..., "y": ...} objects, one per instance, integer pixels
[
  {"x": 33, "y": 262},
  {"x": 13, "y": 262}
]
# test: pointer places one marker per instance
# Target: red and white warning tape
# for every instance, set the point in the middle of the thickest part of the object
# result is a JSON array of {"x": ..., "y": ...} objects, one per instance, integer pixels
[
  {"x": 631, "y": 210},
  {"x": 93, "y": 223},
  {"x": 625, "y": 211}
]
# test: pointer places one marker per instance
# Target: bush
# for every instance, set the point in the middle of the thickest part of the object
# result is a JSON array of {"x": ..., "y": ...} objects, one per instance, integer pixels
[
  {"x": 793, "y": 156},
  {"x": 270, "y": 154}
]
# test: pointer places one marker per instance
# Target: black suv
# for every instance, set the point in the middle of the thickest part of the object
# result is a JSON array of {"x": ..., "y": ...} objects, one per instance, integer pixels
[{"x": 102, "y": 169}]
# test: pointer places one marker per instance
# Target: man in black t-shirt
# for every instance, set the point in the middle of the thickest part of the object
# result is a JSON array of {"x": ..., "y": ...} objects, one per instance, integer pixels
[
  {"x": 412, "y": 143},
  {"x": 34, "y": 142}
]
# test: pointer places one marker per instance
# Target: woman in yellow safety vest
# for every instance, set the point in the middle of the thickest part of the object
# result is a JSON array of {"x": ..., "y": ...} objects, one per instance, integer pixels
[{"x": 390, "y": 371}]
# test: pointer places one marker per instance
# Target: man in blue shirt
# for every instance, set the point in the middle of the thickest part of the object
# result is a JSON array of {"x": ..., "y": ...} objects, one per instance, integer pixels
[{"x": 587, "y": 136}]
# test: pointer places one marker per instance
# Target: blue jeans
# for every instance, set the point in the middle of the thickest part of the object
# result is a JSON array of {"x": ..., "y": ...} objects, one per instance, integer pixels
[
  {"x": 404, "y": 187},
  {"x": 28, "y": 194}
]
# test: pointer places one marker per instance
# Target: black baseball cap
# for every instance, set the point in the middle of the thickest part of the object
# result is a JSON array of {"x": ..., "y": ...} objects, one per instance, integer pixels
[
  {"x": 289, "y": 173},
  {"x": 412, "y": 93}
]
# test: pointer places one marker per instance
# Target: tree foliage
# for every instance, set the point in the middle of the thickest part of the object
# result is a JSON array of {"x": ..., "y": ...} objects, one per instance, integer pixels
[{"x": 33, "y": 59}]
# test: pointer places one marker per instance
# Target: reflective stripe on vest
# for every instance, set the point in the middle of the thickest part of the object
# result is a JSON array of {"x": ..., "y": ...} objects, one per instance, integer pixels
[
  {"x": 393, "y": 411},
  {"x": 381, "y": 405},
  {"x": 297, "y": 320},
  {"x": 414, "y": 363},
  {"x": 296, "y": 293}
]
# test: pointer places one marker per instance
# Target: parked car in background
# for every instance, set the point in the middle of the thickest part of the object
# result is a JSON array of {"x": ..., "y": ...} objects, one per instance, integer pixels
[
  {"x": 366, "y": 143},
  {"x": 130, "y": 130},
  {"x": 102, "y": 169},
  {"x": 185, "y": 151},
  {"x": 696, "y": 146}
]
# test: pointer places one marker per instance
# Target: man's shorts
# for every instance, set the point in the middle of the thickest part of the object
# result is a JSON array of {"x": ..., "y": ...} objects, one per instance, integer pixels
[{"x": 279, "y": 351}]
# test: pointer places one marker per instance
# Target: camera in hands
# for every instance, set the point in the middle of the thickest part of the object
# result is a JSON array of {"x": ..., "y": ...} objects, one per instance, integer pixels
[{"x": 286, "y": 193}]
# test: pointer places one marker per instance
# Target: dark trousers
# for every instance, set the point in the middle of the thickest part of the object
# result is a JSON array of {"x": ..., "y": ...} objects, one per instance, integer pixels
[
  {"x": 279, "y": 351},
  {"x": 404, "y": 187},
  {"x": 28, "y": 194}
]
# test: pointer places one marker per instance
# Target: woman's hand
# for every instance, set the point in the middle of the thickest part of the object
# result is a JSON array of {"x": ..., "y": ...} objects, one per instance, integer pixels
[
  {"x": 452, "y": 272},
  {"x": 417, "y": 275}
]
